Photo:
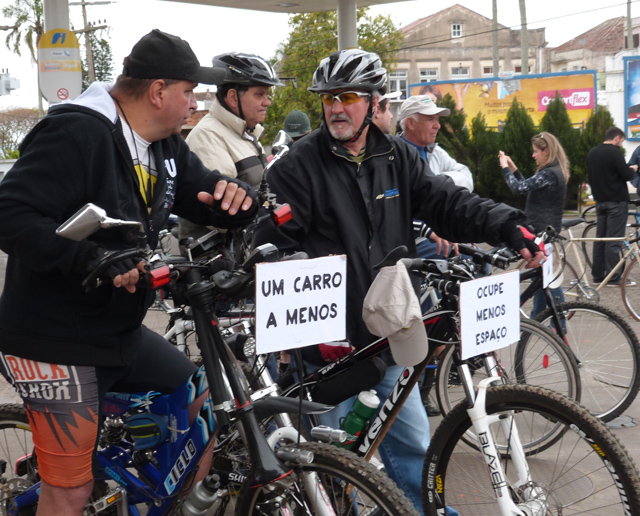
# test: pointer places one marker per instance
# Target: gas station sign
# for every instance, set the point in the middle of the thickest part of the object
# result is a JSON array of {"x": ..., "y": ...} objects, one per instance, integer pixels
[{"x": 59, "y": 65}]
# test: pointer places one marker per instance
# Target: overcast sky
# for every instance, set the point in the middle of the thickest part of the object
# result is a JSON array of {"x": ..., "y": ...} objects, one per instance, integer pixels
[{"x": 213, "y": 30}]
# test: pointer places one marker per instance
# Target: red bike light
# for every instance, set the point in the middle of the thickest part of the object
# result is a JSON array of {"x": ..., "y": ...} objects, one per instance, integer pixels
[
  {"x": 159, "y": 277},
  {"x": 282, "y": 214}
]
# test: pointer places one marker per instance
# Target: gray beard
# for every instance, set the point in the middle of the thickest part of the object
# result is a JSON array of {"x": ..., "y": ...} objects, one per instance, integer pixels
[{"x": 344, "y": 135}]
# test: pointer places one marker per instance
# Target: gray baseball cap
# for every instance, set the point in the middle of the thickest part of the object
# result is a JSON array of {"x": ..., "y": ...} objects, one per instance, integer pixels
[{"x": 422, "y": 104}]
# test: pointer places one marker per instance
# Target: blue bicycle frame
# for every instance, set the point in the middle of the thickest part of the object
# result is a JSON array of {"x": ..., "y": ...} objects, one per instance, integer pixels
[{"x": 156, "y": 482}]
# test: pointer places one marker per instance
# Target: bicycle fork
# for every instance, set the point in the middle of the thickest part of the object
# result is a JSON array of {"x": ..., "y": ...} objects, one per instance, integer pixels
[{"x": 533, "y": 498}]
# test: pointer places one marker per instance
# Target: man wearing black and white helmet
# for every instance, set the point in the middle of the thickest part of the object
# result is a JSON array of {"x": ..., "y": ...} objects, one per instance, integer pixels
[
  {"x": 354, "y": 190},
  {"x": 227, "y": 138}
]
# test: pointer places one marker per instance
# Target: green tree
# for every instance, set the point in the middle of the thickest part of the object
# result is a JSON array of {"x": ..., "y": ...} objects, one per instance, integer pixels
[
  {"x": 515, "y": 139},
  {"x": 557, "y": 122},
  {"x": 313, "y": 37},
  {"x": 102, "y": 61},
  {"x": 27, "y": 29},
  {"x": 483, "y": 156},
  {"x": 453, "y": 135}
]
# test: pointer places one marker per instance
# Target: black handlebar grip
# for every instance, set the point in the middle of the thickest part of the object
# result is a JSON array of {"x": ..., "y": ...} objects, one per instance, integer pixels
[{"x": 392, "y": 258}]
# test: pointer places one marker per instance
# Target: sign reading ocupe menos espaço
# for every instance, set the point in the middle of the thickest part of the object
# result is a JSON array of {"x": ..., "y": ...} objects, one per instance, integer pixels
[
  {"x": 300, "y": 303},
  {"x": 489, "y": 313}
]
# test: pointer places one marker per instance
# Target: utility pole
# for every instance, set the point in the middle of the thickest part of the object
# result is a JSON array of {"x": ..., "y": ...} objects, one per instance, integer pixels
[
  {"x": 629, "y": 29},
  {"x": 494, "y": 33},
  {"x": 87, "y": 34}
]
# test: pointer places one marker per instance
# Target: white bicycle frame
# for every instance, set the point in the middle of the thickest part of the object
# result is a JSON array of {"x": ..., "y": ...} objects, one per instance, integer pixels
[{"x": 482, "y": 422}]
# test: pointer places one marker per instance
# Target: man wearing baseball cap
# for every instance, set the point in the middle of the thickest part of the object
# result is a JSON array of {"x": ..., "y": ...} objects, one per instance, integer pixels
[
  {"x": 117, "y": 146},
  {"x": 419, "y": 119}
]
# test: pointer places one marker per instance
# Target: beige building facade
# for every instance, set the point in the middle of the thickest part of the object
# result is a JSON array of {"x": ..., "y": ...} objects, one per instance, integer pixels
[{"x": 457, "y": 43}]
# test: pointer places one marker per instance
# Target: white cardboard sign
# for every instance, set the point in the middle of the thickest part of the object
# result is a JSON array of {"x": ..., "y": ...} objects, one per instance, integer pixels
[
  {"x": 300, "y": 303},
  {"x": 547, "y": 266},
  {"x": 489, "y": 313}
]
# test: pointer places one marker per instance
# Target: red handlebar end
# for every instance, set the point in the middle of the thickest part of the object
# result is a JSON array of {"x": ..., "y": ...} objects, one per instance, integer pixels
[
  {"x": 159, "y": 277},
  {"x": 282, "y": 214}
]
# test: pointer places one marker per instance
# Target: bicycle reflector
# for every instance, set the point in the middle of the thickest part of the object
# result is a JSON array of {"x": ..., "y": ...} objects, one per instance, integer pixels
[
  {"x": 282, "y": 214},
  {"x": 159, "y": 277}
]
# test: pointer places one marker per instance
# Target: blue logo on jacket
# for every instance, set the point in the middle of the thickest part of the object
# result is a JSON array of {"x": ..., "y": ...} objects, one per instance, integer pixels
[{"x": 390, "y": 194}]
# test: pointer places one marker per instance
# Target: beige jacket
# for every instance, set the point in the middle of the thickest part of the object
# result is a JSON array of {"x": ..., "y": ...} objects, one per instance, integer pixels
[{"x": 222, "y": 143}]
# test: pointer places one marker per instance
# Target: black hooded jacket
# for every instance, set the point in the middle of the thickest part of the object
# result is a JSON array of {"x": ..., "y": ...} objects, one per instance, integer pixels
[
  {"x": 365, "y": 210},
  {"x": 75, "y": 155}
]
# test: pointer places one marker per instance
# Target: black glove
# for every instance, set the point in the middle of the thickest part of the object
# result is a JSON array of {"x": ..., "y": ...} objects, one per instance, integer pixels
[
  {"x": 520, "y": 237},
  {"x": 95, "y": 261}
]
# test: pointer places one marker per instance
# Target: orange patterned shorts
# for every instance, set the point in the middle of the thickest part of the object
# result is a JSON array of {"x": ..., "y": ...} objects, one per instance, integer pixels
[{"x": 62, "y": 406}]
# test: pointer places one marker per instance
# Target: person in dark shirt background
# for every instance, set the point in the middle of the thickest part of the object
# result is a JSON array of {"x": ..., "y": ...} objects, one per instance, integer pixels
[{"x": 608, "y": 176}]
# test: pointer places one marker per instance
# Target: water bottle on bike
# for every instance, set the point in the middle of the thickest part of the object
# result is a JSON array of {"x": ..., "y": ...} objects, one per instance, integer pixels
[{"x": 357, "y": 420}]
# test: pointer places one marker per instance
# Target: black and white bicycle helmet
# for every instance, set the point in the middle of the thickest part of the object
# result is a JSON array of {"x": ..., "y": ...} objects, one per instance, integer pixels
[
  {"x": 246, "y": 70},
  {"x": 351, "y": 68}
]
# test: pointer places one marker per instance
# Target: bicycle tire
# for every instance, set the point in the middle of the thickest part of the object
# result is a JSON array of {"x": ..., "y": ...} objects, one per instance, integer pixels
[
  {"x": 608, "y": 355},
  {"x": 631, "y": 289},
  {"x": 16, "y": 442},
  {"x": 549, "y": 363},
  {"x": 351, "y": 484},
  {"x": 587, "y": 247},
  {"x": 588, "y": 472}
]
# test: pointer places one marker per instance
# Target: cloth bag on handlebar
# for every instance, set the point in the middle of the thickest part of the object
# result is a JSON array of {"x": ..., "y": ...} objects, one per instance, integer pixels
[{"x": 391, "y": 309}]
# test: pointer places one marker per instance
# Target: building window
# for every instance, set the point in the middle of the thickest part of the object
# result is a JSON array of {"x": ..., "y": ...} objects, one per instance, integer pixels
[
  {"x": 460, "y": 72},
  {"x": 519, "y": 69},
  {"x": 398, "y": 81},
  {"x": 456, "y": 30},
  {"x": 428, "y": 74},
  {"x": 487, "y": 71}
]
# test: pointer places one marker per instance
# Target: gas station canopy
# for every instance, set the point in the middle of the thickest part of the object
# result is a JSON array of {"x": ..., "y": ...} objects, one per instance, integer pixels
[{"x": 284, "y": 6}]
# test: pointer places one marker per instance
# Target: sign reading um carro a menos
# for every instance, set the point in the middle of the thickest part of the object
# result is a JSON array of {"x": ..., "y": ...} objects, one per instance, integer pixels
[{"x": 300, "y": 303}]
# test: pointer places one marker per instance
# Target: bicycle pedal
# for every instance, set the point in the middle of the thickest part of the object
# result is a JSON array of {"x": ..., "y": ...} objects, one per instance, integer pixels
[{"x": 113, "y": 496}]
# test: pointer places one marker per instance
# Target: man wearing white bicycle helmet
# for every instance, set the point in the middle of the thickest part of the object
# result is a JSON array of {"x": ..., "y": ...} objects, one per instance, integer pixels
[
  {"x": 354, "y": 190},
  {"x": 227, "y": 137}
]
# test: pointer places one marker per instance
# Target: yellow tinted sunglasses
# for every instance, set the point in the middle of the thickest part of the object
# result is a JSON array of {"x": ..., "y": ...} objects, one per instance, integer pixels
[{"x": 345, "y": 98}]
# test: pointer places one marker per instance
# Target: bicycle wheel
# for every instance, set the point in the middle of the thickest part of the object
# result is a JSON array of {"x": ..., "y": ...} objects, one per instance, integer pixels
[
  {"x": 349, "y": 484},
  {"x": 587, "y": 471},
  {"x": 587, "y": 247},
  {"x": 540, "y": 358},
  {"x": 608, "y": 355},
  {"x": 631, "y": 289},
  {"x": 19, "y": 466}
]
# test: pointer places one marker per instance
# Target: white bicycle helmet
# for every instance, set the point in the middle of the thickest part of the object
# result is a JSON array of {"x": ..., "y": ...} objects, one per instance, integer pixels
[{"x": 352, "y": 68}]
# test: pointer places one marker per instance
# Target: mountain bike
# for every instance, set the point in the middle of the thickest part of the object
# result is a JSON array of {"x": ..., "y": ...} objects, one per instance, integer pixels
[
  {"x": 148, "y": 452},
  {"x": 521, "y": 445},
  {"x": 605, "y": 348},
  {"x": 589, "y": 231}
]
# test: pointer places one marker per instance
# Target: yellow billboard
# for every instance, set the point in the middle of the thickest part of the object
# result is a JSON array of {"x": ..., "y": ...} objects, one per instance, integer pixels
[{"x": 493, "y": 96}]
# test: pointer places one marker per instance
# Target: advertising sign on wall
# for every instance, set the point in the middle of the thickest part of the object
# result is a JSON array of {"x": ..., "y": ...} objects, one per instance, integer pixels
[
  {"x": 493, "y": 96},
  {"x": 632, "y": 97}
]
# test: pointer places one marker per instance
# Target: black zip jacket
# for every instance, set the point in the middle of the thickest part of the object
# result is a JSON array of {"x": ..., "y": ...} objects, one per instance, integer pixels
[
  {"x": 365, "y": 210},
  {"x": 73, "y": 156}
]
